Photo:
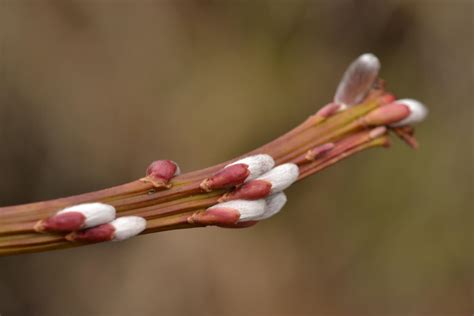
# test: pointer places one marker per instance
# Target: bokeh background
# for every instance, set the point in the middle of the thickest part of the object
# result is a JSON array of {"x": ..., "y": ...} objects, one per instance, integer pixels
[{"x": 92, "y": 91}]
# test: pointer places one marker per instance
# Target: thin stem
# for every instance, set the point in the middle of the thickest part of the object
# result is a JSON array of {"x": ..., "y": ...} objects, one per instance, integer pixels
[{"x": 167, "y": 209}]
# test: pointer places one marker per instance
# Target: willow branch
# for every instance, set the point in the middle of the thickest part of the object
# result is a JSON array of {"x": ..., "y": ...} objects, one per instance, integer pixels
[{"x": 321, "y": 141}]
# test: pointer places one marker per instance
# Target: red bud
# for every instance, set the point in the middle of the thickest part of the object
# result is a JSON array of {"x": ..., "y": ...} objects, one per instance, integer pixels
[
  {"x": 387, "y": 114},
  {"x": 160, "y": 172},
  {"x": 229, "y": 176},
  {"x": 99, "y": 233},
  {"x": 64, "y": 222},
  {"x": 215, "y": 216},
  {"x": 253, "y": 190},
  {"x": 319, "y": 151}
]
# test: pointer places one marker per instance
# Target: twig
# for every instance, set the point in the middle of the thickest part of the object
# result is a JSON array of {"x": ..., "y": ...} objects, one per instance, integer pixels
[{"x": 164, "y": 200}]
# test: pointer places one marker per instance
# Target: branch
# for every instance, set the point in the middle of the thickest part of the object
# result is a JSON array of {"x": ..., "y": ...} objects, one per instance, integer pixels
[{"x": 237, "y": 193}]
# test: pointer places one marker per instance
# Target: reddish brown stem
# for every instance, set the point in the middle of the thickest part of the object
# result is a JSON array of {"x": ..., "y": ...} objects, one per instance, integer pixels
[{"x": 169, "y": 208}]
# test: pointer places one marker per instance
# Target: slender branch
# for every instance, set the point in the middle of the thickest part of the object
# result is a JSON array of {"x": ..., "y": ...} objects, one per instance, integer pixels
[{"x": 321, "y": 141}]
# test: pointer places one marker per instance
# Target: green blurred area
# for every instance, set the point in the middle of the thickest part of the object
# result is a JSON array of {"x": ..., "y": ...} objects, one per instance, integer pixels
[{"x": 92, "y": 91}]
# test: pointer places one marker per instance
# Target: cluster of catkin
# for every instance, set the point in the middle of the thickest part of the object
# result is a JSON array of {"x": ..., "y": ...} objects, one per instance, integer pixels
[
  {"x": 252, "y": 187},
  {"x": 257, "y": 194}
]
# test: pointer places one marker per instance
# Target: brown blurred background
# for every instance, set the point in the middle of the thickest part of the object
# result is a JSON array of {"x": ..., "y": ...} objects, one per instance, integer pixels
[{"x": 92, "y": 91}]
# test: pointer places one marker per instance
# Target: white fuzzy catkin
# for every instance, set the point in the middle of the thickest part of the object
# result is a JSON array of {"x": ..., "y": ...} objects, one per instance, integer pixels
[
  {"x": 273, "y": 204},
  {"x": 248, "y": 210},
  {"x": 357, "y": 80},
  {"x": 418, "y": 112},
  {"x": 257, "y": 164},
  {"x": 95, "y": 213},
  {"x": 281, "y": 177},
  {"x": 128, "y": 226}
]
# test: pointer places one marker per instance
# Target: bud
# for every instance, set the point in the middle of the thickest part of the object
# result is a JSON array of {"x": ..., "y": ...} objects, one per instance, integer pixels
[
  {"x": 77, "y": 217},
  {"x": 257, "y": 165},
  {"x": 160, "y": 172},
  {"x": 319, "y": 151},
  {"x": 228, "y": 213},
  {"x": 281, "y": 177},
  {"x": 274, "y": 204},
  {"x": 119, "y": 229},
  {"x": 357, "y": 80},
  {"x": 215, "y": 216},
  {"x": 387, "y": 114},
  {"x": 104, "y": 232},
  {"x": 253, "y": 190},
  {"x": 238, "y": 172},
  {"x": 418, "y": 112},
  {"x": 227, "y": 177}
]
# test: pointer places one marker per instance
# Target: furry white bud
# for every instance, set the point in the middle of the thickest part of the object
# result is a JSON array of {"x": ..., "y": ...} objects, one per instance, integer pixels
[
  {"x": 128, "y": 226},
  {"x": 281, "y": 177},
  {"x": 418, "y": 112},
  {"x": 94, "y": 213},
  {"x": 273, "y": 204},
  {"x": 248, "y": 210},
  {"x": 257, "y": 165},
  {"x": 357, "y": 80}
]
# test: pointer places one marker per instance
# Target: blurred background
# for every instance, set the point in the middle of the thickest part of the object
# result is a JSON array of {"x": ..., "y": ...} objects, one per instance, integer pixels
[{"x": 92, "y": 91}]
